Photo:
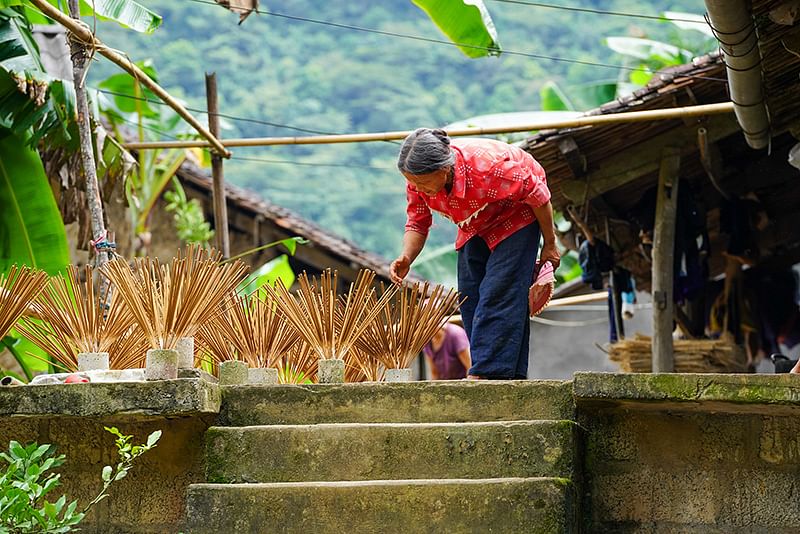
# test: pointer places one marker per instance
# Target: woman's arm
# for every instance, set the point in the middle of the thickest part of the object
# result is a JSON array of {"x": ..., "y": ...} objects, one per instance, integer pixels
[
  {"x": 544, "y": 214},
  {"x": 465, "y": 359},
  {"x": 434, "y": 372},
  {"x": 413, "y": 243}
]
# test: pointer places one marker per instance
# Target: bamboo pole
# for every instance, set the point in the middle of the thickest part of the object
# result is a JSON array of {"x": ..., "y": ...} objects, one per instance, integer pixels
[
  {"x": 592, "y": 120},
  {"x": 663, "y": 251},
  {"x": 217, "y": 174},
  {"x": 82, "y": 32}
]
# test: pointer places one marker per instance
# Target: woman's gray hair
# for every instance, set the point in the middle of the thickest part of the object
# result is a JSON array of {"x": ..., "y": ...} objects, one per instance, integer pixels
[{"x": 425, "y": 151}]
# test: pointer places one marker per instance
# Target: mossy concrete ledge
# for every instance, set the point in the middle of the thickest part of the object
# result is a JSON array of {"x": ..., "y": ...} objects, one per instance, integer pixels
[
  {"x": 505, "y": 505},
  {"x": 411, "y": 402},
  {"x": 729, "y": 393},
  {"x": 161, "y": 398},
  {"x": 294, "y": 453}
]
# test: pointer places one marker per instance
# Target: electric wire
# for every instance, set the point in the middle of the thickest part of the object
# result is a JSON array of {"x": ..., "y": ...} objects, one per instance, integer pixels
[
  {"x": 461, "y": 45},
  {"x": 592, "y": 11}
]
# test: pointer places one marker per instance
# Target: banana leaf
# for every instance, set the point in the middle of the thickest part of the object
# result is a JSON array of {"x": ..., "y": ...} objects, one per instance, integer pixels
[
  {"x": 465, "y": 22},
  {"x": 126, "y": 13}
]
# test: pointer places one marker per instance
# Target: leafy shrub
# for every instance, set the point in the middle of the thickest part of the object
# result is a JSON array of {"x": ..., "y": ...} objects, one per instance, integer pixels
[{"x": 28, "y": 479}]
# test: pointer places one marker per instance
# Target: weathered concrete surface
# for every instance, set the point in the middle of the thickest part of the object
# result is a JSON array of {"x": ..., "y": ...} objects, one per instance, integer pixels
[
  {"x": 690, "y": 453},
  {"x": 529, "y": 505},
  {"x": 413, "y": 402},
  {"x": 182, "y": 397},
  {"x": 152, "y": 498},
  {"x": 386, "y": 451},
  {"x": 731, "y": 393}
]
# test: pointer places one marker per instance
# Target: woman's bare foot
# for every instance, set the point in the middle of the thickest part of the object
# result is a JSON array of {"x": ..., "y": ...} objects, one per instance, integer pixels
[
  {"x": 796, "y": 368},
  {"x": 476, "y": 377}
]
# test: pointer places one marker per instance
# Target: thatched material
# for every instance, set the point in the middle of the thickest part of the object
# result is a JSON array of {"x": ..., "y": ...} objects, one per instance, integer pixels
[{"x": 691, "y": 356}]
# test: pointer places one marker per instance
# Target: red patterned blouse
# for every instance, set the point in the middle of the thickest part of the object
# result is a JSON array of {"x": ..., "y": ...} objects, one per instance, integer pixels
[{"x": 494, "y": 187}]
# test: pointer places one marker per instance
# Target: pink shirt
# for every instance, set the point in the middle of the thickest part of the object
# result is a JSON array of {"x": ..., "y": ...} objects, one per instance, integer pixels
[
  {"x": 491, "y": 182},
  {"x": 446, "y": 361}
]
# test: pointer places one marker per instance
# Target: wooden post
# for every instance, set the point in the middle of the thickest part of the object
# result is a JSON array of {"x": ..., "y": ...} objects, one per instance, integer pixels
[
  {"x": 218, "y": 195},
  {"x": 663, "y": 251}
]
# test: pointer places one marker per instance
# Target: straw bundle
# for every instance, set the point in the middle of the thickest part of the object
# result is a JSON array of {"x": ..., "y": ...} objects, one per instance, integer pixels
[
  {"x": 396, "y": 335},
  {"x": 251, "y": 330},
  {"x": 326, "y": 321},
  {"x": 17, "y": 290},
  {"x": 691, "y": 356},
  {"x": 173, "y": 301},
  {"x": 75, "y": 319}
]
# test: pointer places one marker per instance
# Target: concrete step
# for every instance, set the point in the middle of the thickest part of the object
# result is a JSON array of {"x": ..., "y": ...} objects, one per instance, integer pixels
[
  {"x": 356, "y": 451},
  {"x": 411, "y": 402},
  {"x": 499, "y": 505}
]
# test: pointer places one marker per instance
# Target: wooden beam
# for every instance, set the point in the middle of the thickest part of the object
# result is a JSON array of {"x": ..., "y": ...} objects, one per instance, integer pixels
[
  {"x": 217, "y": 174},
  {"x": 638, "y": 160},
  {"x": 663, "y": 249}
]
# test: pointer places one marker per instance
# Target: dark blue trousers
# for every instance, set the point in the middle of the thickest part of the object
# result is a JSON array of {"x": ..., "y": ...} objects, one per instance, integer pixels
[{"x": 495, "y": 313}]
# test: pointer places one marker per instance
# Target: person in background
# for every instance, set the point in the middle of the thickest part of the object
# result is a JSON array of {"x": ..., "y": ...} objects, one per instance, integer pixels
[
  {"x": 497, "y": 195},
  {"x": 448, "y": 353}
]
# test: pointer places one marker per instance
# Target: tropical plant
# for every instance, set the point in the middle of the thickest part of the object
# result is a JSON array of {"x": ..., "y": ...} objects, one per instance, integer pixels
[
  {"x": 27, "y": 480},
  {"x": 190, "y": 222},
  {"x": 465, "y": 22}
]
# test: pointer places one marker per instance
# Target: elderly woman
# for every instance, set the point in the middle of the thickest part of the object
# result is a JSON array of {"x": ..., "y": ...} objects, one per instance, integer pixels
[{"x": 497, "y": 196}]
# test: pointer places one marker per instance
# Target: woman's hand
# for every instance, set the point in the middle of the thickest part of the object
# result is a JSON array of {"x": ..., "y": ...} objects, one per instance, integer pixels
[
  {"x": 399, "y": 268},
  {"x": 550, "y": 253}
]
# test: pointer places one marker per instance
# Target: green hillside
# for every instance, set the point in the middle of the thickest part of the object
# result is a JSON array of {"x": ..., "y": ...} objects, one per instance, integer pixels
[{"x": 328, "y": 79}]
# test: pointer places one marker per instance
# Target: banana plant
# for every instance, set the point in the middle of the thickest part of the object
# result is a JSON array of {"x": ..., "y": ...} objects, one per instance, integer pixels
[
  {"x": 465, "y": 22},
  {"x": 126, "y": 13}
]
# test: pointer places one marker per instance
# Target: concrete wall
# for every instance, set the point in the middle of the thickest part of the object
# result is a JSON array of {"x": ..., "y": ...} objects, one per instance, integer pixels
[
  {"x": 678, "y": 457},
  {"x": 559, "y": 351}
]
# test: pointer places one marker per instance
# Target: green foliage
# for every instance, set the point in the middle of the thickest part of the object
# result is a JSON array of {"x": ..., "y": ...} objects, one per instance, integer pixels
[
  {"x": 27, "y": 480},
  {"x": 336, "y": 80},
  {"x": 275, "y": 269},
  {"x": 31, "y": 230},
  {"x": 466, "y": 22},
  {"x": 25, "y": 484},
  {"x": 126, "y": 13},
  {"x": 190, "y": 222}
]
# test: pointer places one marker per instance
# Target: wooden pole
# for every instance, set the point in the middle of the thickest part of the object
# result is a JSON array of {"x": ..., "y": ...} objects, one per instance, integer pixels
[
  {"x": 82, "y": 32},
  {"x": 79, "y": 58},
  {"x": 218, "y": 194},
  {"x": 663, "y": 252},
  {"x": 590, "y": 120}
]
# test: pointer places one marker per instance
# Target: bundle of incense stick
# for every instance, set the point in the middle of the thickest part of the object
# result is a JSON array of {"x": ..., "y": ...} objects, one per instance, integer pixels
[
  {"x": 17, "y": 290},
  {"x": 251, "y": 330},
  {"x": 174, "y": 300},
  {"x": 634, "y": 355},
  {"x": 298, "y": 366},
  {"x": 361, "y": 366},
  {"x": 326, "y": 321},
  {"x": 75, "y": 319},
  {"x": 405, "y": 324}
]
